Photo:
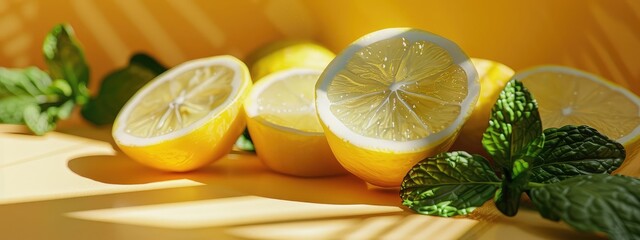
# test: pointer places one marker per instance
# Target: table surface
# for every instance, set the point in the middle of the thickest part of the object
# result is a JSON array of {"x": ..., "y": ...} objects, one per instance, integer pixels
[{"x": 73, "y": 184}]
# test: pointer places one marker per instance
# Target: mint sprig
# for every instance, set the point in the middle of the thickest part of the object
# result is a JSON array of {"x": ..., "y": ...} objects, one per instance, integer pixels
[
  {"x": 39, "y": 99},
  {"x": 565, "y": 171}
]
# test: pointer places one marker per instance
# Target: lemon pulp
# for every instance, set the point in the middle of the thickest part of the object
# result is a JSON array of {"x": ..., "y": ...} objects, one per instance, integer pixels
[
  {"x": 178, "y": 103},
  {"x": 568, "y": 96},
  {"x": 290, "y": 103},
  {"x": 398, "y": 90},
  {"x": 575, "y": 100}
]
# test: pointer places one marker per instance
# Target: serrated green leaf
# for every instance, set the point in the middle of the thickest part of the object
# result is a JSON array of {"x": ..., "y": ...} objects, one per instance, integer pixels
[
  {"x": 449, "y": 184},
  {"x": 598, "y": 202},
  {"x": 38, "y": 122},
  {"x": 12, "y": 108},
  {"x": 514, "y": 125},
  {"x": 119, "y": 86},
  {"x": 66, "y": 60},
  {"x": 575, "y": 150}
]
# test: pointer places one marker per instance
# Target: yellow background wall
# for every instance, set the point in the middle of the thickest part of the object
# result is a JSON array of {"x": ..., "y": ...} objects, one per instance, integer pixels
[{"x": 594, "y": 35}]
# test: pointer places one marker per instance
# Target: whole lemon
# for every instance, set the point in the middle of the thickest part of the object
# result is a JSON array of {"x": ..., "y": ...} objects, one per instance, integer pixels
[{"x": 286, "y": 54}]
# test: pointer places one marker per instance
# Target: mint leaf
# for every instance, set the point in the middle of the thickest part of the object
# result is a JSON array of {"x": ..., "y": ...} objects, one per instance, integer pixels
[
  {"x": 119, "y": 86},
  {"x": 449, "y": 184},
  {"x": 61, "y": 88},
  {"x": 23, "y": 82},
  {"x": 66, "y": 61},
  {"x": 12, "y": 108},
  {"x": 21, "y": 89},
  {"x": 514, "y": 125},
  {"x": 575, "y": 150},
  {"x": 38, "y": 122},
  {"x": 64, "y": 110},
  {"x": 598, "y": 202}
]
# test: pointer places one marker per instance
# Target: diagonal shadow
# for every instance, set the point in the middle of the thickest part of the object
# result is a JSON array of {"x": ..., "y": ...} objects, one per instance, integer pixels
[{"x": 242, "y": 172}]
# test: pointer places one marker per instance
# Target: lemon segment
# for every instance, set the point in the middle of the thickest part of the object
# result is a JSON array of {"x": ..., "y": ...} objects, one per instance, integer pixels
[
  {"x": 392, "y": 98},
  {"x": 568, "y": 96},
  {"x": 493, "y": 77},
  {"x": 186, "y": 117},
  {"x": 284, "y": 126}
]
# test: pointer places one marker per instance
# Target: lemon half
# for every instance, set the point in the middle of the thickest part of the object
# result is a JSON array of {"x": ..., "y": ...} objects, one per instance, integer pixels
[
  {"x": 568, "y": 96},
  {"x": 392, "y": 98},
  {"x": 284, "y": 126},
  {"x": 186, "y": 117}
]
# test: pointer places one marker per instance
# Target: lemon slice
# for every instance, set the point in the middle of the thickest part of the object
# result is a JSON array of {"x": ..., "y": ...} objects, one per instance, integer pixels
[
  {"x": 186, "y": 117},
  {"x": 392, "y": 98},
  {"x": 284, "y": 126},
  {"x": 493, "y": 77},
  {"x": 568, "y": 96}
]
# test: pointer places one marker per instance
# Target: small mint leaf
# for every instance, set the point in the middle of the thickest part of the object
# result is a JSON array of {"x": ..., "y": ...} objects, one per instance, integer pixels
[
  {"x": 571, "y": 151},
  {"x": 38, "y": 122},
  {"x": 519, "y": 166},
  {"x": 12, "y": 108},
  {"x": 593, "y": 203},
  {"x": 514, "y": 125},
  {"x": 65, "y": 58},
  {"x": 65, "y": 110},
  {"x": 449, "y": 184},
  {"x": 61, "y": 88},
  {"x": 29, "y": 81}
]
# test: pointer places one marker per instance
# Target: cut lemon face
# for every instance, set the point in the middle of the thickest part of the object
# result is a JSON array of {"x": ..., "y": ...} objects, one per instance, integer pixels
[
  {"x": 568, "y": 96},
  {"x": 392, "y": 98},
  {"x": 493, "y": 77},
  {"x": 186, "y": 117},
  {"x": 284, "y": 127}
]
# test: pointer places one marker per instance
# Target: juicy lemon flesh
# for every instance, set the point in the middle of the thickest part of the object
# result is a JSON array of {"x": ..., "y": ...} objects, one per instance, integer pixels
[
  {"x": 398, "y": 90},
  {"x": 290, "y": 103},
  {"x": 565, "y": 99},
  {"x": 176, "y": 104},
  {"x": 286, "y": 131}
]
